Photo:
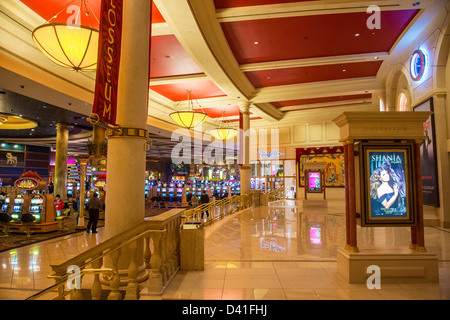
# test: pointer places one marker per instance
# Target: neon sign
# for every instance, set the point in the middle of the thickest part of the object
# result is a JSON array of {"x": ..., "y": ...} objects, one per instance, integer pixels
[
  {"x": 417, "y": 65},
  {"x": 26, "y": 183},
  {"x": 271, "y": 155}
]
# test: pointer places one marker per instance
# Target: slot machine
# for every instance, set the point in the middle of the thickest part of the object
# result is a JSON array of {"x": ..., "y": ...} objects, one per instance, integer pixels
[
  {"x": 164, "y": 190},
  {"x": 70, "y": 188},
  {"x": 171, "y": 191},
  {"x": 17, "y": 207},
  {"x": 37, "y": 207},
  {"x": 252, "y": 183},
  {"x": 147, "y": 188},
  {"x": 158, "y": 188},
  {"x": 179, "y": 190},
  {"x": 88, "y": 196},
  {"x": 5, "y": 206},
  {"x": 224, "y": 190}
]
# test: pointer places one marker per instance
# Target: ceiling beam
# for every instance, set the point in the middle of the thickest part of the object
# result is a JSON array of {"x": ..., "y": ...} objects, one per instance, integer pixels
[
  {"x": 309, "y": 62},
  {"x": 318, "y": 89},
  {"x": 309, "y": 8}
]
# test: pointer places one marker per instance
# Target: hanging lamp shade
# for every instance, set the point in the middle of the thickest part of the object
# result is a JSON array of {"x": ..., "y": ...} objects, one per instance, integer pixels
[
  {"x": 70, "y": 46},
  {"x": 223, "y": 133},
  {"x": 188, "y": 118}
]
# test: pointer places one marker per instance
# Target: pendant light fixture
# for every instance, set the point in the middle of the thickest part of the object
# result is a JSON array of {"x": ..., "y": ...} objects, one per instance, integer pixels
[
  {"x": 189, "y": 118},
  {"x": 73, "y": 46},
  {"x": 223, "y": 131}
]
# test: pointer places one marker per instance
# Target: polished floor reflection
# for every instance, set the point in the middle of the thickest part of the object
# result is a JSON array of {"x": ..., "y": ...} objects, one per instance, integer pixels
[{"x": 280, "y": 252}]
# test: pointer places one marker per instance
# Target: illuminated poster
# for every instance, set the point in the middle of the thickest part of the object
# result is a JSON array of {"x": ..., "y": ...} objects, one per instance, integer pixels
[
  {"x": 430, "y": 187},
  {"x": 314, "y": 183},
  {"x": 387, "y": 186}
]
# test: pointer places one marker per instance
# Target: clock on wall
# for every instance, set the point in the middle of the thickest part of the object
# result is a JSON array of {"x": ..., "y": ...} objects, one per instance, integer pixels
[{"x": 417, "y": 65}]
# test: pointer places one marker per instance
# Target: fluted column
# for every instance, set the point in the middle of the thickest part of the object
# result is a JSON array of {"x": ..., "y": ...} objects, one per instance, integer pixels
[
  {"x": 62, "y": 144},
  {"x": 244, "y": 150}
]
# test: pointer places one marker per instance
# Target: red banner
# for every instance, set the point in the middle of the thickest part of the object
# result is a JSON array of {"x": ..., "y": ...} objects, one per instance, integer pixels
[{"x": 105, "y": 99}]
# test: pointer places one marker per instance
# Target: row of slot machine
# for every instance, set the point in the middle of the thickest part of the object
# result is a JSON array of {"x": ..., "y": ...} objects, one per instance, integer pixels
[
  {"x": 39, "y": 205},
  {"x": 176, "y": 189}
]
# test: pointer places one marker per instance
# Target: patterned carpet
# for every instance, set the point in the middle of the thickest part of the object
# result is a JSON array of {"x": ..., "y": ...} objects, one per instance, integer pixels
[{"x": 16, "y": 240}]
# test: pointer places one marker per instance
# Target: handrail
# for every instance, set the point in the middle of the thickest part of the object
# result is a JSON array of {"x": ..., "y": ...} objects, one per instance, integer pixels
[
  {"x": 63, "y": 282},
  {"x": 162, "y": 262}
]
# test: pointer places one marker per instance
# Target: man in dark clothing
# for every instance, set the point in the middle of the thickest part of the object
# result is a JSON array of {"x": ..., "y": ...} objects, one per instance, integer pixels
[
  {"x": 94, "y": 205},
  {"x": 204, "y": 198}
]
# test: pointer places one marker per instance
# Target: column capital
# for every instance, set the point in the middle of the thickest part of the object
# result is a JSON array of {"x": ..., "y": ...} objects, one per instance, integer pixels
[{"x": 244, "y": 107}]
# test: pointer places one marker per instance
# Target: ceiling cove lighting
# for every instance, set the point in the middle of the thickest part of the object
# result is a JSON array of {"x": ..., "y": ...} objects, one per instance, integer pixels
[
  {"x": 223, "y": 132},
  {"x": 189, "y": 118},
  {"x": 70, "y": 45}
]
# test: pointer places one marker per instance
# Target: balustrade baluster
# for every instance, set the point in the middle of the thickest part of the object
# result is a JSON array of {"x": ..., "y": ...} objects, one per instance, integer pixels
[
  {"x": 147, "y": 251},
  {"x": 115, "y": 282},
  {"x": 132, "y": 291},
  {"x": 96, "y": 290},
  {"x": 156, "y": 278}
]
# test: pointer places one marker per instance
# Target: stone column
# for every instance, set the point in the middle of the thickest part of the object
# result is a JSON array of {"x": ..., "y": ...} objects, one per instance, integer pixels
[
  {"x": 126, "y": 149},
  {"x": 125, "y": 200},
  {"x": 244, "y": 151},
  {"x": 62, "y": 143}
]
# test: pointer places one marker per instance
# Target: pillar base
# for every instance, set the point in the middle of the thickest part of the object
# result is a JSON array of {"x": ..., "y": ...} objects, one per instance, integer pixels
[{"x": 399, "y": 265}]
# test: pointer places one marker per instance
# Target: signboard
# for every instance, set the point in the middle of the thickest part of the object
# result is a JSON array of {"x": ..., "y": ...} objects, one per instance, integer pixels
[
  {"x": 314, "y": 181},
  {"x": 272, "y": 155},
  {"x": 105, "y": 99},
  {"x": 26, "y": 183},
  {"x": 387, "y": 186},
  {"x": 12, "y": 159}
]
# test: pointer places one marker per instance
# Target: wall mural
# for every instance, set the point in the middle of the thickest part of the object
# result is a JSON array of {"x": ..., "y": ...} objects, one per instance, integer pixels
[{"x": 334, "y": 168}]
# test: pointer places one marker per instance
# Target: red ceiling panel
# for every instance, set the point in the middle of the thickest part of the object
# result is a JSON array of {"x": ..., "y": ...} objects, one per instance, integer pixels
[
  {"x": 199, "y": 90},
  {"x": 280, "y": 104},
  {"x": 277, "y": 77},
  {"x": 221, "y": 4},
  {"x": 168, "y": 58},
  {"x": 313, "y": 36},
  {"x": 47, "y": 8}
]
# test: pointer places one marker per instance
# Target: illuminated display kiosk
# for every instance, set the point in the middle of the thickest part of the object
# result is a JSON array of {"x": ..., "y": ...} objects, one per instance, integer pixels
[
  {"x": 314, "y": 184},
  {"x": 384, "y": 189},
  {"x": 39, "y": 205}
]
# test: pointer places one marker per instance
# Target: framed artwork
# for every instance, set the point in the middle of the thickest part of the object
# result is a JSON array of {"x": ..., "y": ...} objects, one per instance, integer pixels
[
  {"x": 334, "y": 169},
  {"x": 430, "y": 186},
  {"x": 387, "y": 184},
  {"x": 314, "y": 181}
]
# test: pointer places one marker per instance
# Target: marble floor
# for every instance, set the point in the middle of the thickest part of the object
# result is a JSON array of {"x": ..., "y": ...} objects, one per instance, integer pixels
[{"x": 280, "y": 252}]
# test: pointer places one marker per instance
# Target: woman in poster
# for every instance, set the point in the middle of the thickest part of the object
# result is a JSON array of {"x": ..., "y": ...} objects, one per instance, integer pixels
[{"x": 387, "y": 190}]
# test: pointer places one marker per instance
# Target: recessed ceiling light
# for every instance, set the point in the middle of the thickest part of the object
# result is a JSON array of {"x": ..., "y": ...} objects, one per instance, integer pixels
[
  {"x": 376, "y": 58},
  {"x": 256, "y": 42},
  {"x": 344, "y": 70},
  {"x": 356, "y": 34}
]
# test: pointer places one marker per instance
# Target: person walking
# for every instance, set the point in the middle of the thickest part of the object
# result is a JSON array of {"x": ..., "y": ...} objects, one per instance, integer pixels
[
  {"x": 94, "y": 205},
  {"x": 204, "y": 198}
]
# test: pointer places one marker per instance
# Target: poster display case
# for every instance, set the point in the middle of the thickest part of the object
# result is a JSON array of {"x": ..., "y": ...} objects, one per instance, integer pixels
[{"x": 387, "y": 184}]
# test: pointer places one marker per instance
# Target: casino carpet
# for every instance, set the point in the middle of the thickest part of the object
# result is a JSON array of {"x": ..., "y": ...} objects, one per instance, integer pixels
[{"x": 16, "y": 240}]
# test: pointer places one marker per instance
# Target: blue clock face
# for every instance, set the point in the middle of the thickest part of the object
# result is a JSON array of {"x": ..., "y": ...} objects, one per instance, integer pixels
[{"x": 417, "y": 66}]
